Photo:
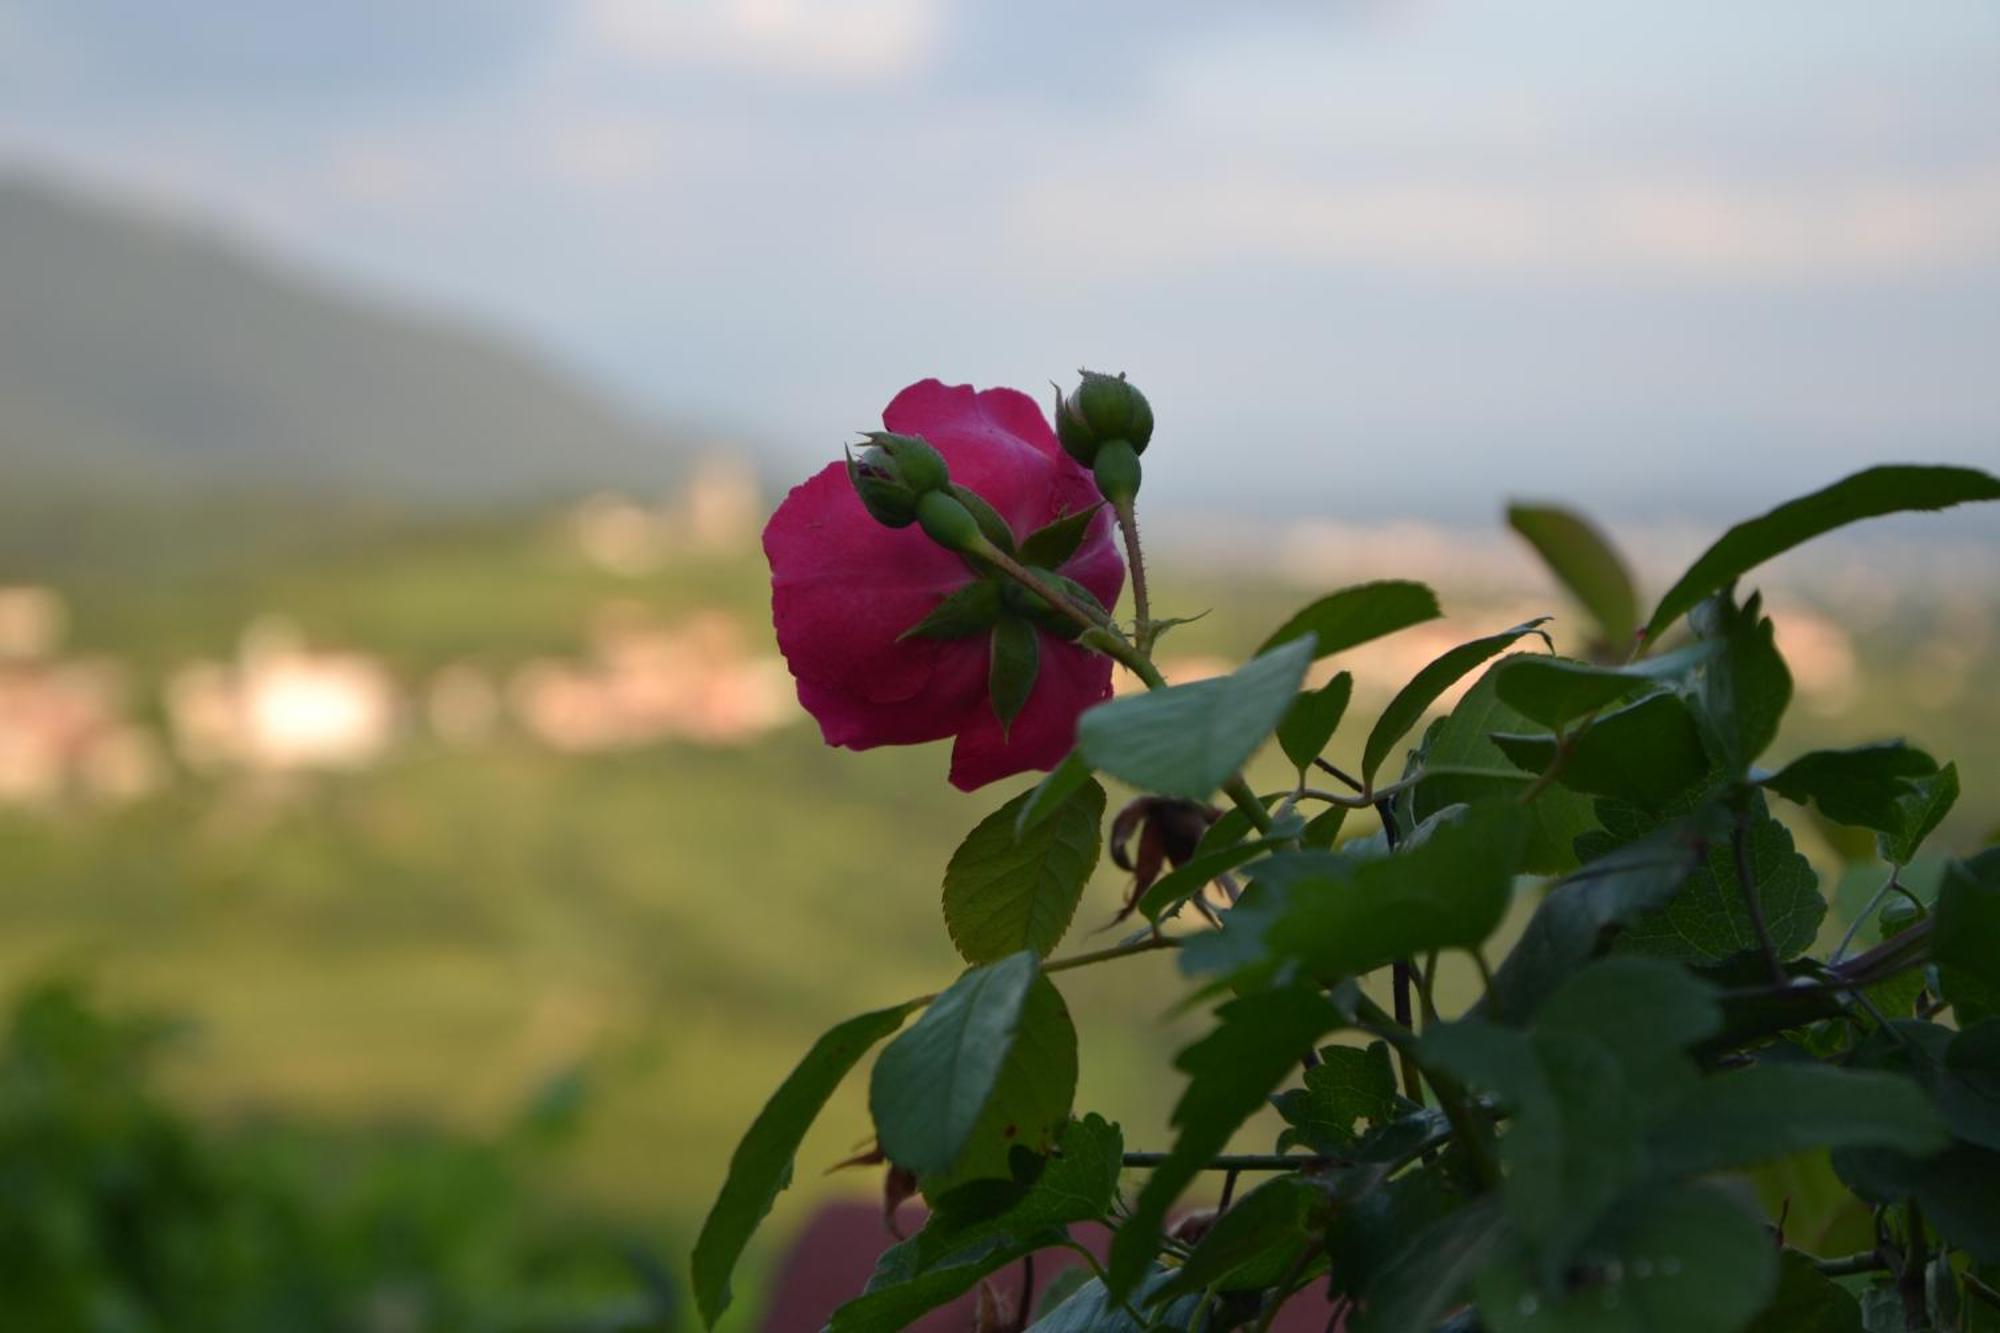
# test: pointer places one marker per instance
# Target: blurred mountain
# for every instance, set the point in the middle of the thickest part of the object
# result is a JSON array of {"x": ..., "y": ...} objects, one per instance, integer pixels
[{"x": 137, "y": 354}]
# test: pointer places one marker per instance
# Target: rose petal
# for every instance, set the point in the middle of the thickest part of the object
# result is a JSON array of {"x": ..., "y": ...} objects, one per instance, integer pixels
[
  {"x": 843, "y": 587},
  {"x": 998, "y": 444},
  {"x": 1097, "y": 564},
  {"x": 1071, "y": 680},
  {"x": 956, "y": 686}
]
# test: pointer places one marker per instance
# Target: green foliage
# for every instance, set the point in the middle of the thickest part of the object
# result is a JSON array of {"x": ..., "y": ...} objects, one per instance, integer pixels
[
  {"x": 1586, "y": 562},
  {"x": 932, "y": 1084},
  {"x": 1006, "y": 891},
  {"x": 1349, "y": 1086},
  {"x": 123, "y": 1211},
  {"x": 1553, "y": 1154},
  {"x": 1415, "y": 698},
  {"x": 1354, "y": 616},
  {"x": 762, "y": 1165},
  {"x": 1187, "y": 740},
  {"x": 1461, "y": 764},
  {"x": 1256, "y": 1041},
  {"x": 1869, "y": 494},
  {"x": 1311, "y": 720},
  {"x": 1870, "y": 786}
]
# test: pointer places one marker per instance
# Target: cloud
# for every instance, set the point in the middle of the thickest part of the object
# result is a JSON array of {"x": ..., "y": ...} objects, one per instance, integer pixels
[
  {"x": 1656, "y": 223},
  {"x": 820, "y": 40},
  {"x": 231, "y": 52}
]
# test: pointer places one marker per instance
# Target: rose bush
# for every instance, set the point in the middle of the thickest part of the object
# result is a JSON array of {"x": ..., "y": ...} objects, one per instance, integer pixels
[
  {"x": 1529, "y": 1029},
  {"x": 845, "y": 591}
]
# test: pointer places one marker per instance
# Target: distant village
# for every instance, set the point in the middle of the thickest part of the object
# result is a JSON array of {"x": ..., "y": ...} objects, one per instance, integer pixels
[{"x": 78, "y": 729}]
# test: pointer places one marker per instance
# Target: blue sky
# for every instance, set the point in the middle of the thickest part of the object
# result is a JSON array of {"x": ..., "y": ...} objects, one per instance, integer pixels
[{"x": 1439, "y": 249}]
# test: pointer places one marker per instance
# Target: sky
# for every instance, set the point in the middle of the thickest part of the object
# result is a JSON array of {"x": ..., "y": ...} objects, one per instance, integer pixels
[{"x": 1361, "y": 254}]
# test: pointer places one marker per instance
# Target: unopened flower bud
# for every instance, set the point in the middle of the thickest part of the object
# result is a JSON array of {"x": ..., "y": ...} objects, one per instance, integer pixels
[
  {"x": 893, "y": 473},
  {"x": 1103, "y": 408},
  {"x": 950, "y": 524}
]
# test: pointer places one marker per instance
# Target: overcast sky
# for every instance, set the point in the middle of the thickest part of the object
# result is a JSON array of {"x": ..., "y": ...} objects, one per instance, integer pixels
[{"x": 1618, "y": 251}]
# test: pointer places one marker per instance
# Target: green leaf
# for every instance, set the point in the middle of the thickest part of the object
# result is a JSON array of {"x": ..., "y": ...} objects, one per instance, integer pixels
[
  {"x": 1311, "y": 720},
  {"x": 1231, "y": 1071},
  {"x": 1918, "y": 815},
  {"x": 1185, "y": 881},
  {"x": 762, "y": 1164},
  {"x": 1865, "y": 786},
  {"x": 1586, "y": 563},
  {"x": 1574, "y": 920},
  {"x": 1773, "y": 1110},
  {"x": 1341, "y": 915},
  {"x": 1187, "y": 740},
  {"x": 1742, "y": 691},
  {"x": 931, "y": 1084},
  {"x": 1648, "y": 753},
  {"x": 1708, "y": 920},
  {"x": 1556, "y": 691},
  {"x": 1606, "y": 1056},
  {"x": 1462, "y": 766},
  {"x": 1877, "y": 491},
  {"x": 1807, "y": 1301},
  {"x": 898, "y": 1294},
  {"x": 1966, "y": 940},
  {"x": 1050, "y": 547},
  {"x": 1432, "y": 1271},
  {"x": 971, "y": 610},
  {"x": 1015, "y": 659},
  {"x": 1092, "y": 1309},
  {"x": 1255, "y": 1243},
  {"x": 1415, "y": 698},
  {"x": 1078, "y": 1185},
  {"x": 1353, "y": 616},
  {"x": 1574, "y": 1144},
  {"x": 1968, "y": 1092},
  {"x": 1645, "y": 1012},
  {"x": 1958, "y": 1190},
  {"x": 1031, "y": 1100},
  {"x": 1006, "y": 891},
  {"x": 1685, "y": 1260},
  {"x": 1052, "y": 793},
  {"x": 1350, "y": 1085}
]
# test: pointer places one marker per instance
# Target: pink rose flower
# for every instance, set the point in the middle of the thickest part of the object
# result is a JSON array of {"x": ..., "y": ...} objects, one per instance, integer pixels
[{"x": 844, "y": 587}]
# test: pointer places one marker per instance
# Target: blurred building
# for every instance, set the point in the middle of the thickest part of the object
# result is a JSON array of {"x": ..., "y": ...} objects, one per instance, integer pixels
[
  {"x": 281, "y": 706},
  {"x": 642, "y": 681},
  {"x": 716, "y": 513},
  {"x": 66, "y": 730}
]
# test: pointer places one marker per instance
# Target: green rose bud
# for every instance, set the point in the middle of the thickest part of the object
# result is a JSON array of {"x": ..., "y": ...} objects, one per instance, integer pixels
[
  {"x": 1103, "y": 408},
  {"x": 893, "y": 473},
  {"x": 950, "y": 524}
]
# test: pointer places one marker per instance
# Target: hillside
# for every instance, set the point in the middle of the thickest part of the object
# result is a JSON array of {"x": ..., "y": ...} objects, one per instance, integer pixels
[{"x": 147, "y": 354}]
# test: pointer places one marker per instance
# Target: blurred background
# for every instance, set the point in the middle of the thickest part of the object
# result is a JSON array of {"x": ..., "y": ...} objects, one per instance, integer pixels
[{"x": 414, "y": 870}]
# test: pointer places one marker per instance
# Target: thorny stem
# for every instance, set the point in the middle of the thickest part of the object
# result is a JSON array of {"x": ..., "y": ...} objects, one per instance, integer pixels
[
  {"x": 1362, "y": 800},
  {"x": 1861, "y": 917},
  {"x": 1148, "y": 945},
  {"x": 1910, "y": 1282},
  {"x": 1237, "y": 1162},
  {"x": 1341, "y": 774},
  {"x": 1142, "y": 604},
  {"x": 1868, "y": 1261}
]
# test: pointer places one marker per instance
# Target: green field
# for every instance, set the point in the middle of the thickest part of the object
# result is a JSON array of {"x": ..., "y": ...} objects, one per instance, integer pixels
[{"x": 436, "y": 938}]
